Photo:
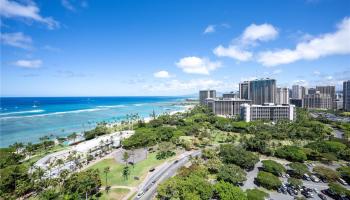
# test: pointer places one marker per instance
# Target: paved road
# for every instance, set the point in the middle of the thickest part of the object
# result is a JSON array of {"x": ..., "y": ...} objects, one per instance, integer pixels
[{"x": 149, "y": 186}]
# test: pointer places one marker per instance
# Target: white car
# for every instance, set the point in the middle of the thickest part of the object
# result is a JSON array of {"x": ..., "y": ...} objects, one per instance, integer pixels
[
  {"x": 314, "y": 178},
  {"x": 342, "y": 181}
]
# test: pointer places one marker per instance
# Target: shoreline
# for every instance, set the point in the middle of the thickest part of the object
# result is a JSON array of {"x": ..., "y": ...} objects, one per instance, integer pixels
[
  {"x": 34, "y": 128},
  {"x": 182, "y": 109}
]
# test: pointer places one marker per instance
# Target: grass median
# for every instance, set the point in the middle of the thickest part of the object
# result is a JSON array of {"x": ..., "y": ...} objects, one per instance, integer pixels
[{"x": 115, "y": 176}]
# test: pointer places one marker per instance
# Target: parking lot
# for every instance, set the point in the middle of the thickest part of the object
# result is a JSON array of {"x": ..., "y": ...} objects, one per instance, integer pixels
[{"x": 316, "y": 187}]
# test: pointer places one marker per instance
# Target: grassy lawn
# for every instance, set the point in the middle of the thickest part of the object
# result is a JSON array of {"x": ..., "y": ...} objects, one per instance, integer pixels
[
  {"x": 114, "y": 194},
  {"x": 115, "y": 176}
]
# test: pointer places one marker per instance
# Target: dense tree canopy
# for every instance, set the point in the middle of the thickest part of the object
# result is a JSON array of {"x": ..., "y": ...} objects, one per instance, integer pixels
[
  {"x": 273, "y": 167},
  {"x": 292, "y": 153},
  {"x": 326, "y": 173},
  {"x": 268, "y": 180},
  {"x": 256, "y": 194},
  {"x": 190, "y": 182},
  {"x": 227, "y": 191},
  {"x": 298, "y": 169},
  {"x": 85, "y": 183},
  {"x": 237, "y": 155},
  {"x": 231, "y": 173}
]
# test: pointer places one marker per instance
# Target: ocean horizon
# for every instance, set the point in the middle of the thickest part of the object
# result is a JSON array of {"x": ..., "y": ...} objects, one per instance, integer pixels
[{"x": 26, "y": 119}]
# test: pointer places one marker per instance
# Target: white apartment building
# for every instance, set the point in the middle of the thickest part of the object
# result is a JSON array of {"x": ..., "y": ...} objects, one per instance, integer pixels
[
  {"x": 318, "y": 101},
  {"x": 269, "y": 112},
  {"x": 227, "y": 106},
  {"x": 282, "y": 96}
]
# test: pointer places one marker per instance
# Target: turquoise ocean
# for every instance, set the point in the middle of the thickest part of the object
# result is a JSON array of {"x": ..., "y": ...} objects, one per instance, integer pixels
[{"x": 26, "y": 119}]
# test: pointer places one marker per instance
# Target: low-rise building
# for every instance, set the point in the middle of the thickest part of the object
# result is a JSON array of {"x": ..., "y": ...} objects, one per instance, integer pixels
[
  {"x": 296, "y": 102},
  {"x": 269, "y": 112}
]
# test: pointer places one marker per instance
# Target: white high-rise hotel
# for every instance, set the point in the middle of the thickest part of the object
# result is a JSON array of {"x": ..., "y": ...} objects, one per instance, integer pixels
[
  {"x": 282, "y": 96},
  {"x": 258, "y": 99}
]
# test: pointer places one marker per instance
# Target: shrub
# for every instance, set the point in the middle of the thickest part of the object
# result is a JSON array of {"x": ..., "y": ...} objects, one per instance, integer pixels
[
  {"x": 273, "y": 167},
  {"x": 268, "y": 180},
  {"x": 298, "y": 169},
  {"x": 295, "y": 182},
  {"x": 344, "y": 173},
  {"x": 326, "y": 173},
  {"x": 327, "y": 146},
  {"x": 292, "y": 153},
  {"x": 256, "y": 194},
  {"x": 232, "y": 173},
  {"x": 237, "y": 155},
  {"x": 338, "y": 189},
  {"x": 227, "y": 191}
]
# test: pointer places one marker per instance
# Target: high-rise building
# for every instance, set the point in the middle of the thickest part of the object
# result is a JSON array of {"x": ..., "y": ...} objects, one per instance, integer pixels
[
  {"x": 229, "y": 95},
  {"x": 226, "y": 107},
  {"x": 296, "y": 102},
  {"x": 262, "y": 91},
  {"x": 346, "y": 95},
  {"x": 244, "y": 90},
  {"x": 282, "y": 96},
  {"x": 327, "y": 90},
  {"x": 205, "y": 94},
  {"x": 318, "y": 101},
  {"x": 311, "y": 91},
  {"x": 267, "y": 112},
  {"x": 298, "y": 91}
]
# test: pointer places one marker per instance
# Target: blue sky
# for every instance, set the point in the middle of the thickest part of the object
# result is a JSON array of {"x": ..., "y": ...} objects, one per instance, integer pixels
[{"x": 164, "y": 47}]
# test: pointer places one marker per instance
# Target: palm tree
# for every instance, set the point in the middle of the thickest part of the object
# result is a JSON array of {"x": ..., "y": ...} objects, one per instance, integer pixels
[
  {"x": 106, "y": 170},
  {"x": 126, "y": 157},
  {"x": 59, "y": 162},
  {"x": 50, "y": 167},
  {"x": 30, "y": 149},
  {"x": 73, "y": 136},
  {"x": 153, "y": 115},
  {"x": 126, "y": 172},
  {"x": 17, "y": 146}
]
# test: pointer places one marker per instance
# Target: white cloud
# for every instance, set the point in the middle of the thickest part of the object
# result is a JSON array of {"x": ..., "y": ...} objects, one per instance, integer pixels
[
  {"x": 29, "y": 11},
  {"x": 263, "y": 32},
  {"x": 51, "y": 48},
  {"x": 317, "y": 73},
  {"x": 209, "y": 29},
  {"x": 161, "y": 74},
  {"x": 277, "y": 71},
  {"x": 16, "y": 40},
  {"x": 232, "y": 52},
  {"x": 300, "y": 82},
  {"x": 196, "y": 65},
  {"x": 250, "y": 37},
  {"x": 194, "y": 85},
  {"x": 337, "y": 43},
  {"x": 29, "y": 64},
  {"x": 68, "y": 5}
]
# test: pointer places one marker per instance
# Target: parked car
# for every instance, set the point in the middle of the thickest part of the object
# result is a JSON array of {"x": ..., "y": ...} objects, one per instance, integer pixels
[
  {"x": 306, "y": 194},
  {"x": 323, "y": 197},
  {"x": 151, "y": 170},
  {"x": 306, "y": 177},
  {"x": 290, "y": 191},
  {"x": 314, "y": 178},
  {"x": 342, "y": 181}
]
